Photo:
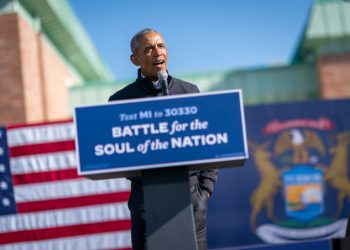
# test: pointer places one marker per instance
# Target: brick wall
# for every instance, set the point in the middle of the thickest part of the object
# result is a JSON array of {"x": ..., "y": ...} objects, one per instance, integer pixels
[
  {"x": 32, "y": 75},
  {"x": 12, "y": 107},
  {"x": 31, "y": 72},
  {"x": 334, "y": 75},
  {"x": 55, "y": 76}
]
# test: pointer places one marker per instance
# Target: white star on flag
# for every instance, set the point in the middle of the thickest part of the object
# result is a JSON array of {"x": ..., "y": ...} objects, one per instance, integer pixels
[
  {"x": 6, "y": 202},
  {"x": 3, "y": 185}
]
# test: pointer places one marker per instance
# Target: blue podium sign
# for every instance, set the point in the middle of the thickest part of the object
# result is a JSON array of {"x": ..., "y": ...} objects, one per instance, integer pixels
[{"x": 202, "y": 131}]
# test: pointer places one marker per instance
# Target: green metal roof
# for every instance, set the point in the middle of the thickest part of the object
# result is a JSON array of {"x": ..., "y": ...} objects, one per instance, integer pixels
[
  {"x": 272, "y": 84},
  {"x": 204, "y": 80},
  {"x": 94, "y": 93},
  {"x": 62, "y": 28},
  {"x": 327, "y": 30}
]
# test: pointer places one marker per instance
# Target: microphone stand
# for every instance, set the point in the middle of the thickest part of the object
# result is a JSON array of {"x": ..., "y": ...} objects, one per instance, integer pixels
[
  {"x": 168, "y": 207},
  {"x": 164, "y": 85}
]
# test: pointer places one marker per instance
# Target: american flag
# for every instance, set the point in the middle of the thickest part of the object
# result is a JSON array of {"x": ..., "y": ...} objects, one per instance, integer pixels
[{"x": 45, "y": 205}]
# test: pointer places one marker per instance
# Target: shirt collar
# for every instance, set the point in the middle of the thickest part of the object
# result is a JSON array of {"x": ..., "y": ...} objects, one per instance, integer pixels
[{"x": 156, "y": 84}]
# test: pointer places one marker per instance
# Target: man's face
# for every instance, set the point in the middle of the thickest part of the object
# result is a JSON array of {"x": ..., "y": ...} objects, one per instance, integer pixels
[{"x": 151, "y": 55}]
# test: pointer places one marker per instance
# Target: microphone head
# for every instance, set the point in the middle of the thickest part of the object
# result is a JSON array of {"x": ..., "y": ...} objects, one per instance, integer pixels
[{"x": 162, "y": 75}]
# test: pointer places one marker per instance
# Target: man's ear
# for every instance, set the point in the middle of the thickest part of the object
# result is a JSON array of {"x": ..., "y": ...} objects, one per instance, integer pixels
[{"x": 134, "y": 60}]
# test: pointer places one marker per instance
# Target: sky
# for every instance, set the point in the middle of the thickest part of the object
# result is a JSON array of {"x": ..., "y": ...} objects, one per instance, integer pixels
[{"x": 201, "y": 35}]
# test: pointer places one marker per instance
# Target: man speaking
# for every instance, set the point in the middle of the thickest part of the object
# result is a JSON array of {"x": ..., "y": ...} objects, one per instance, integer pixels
[{"x": 149, "y": 53}]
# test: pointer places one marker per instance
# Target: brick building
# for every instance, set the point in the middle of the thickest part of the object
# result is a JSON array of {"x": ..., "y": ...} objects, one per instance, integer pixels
[{"x": 43, "y": 51}]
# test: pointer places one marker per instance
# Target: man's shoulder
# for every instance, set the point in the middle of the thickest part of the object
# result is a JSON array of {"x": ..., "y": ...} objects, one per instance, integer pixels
[
  {"x": 125, "y": 93},
  {"x": 182, "y": 82},
  {"x": 184, "y": 86}
]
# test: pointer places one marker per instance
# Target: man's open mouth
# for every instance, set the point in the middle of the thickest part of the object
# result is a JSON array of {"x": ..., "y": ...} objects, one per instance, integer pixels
[{"x": 158, "y": 63}]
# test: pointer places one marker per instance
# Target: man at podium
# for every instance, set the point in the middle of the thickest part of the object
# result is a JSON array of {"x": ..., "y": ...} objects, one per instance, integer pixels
[{"x": 149, "y": 53}]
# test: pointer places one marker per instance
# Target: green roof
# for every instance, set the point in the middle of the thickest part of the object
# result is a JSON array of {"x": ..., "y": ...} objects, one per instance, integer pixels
[
  {"x": 272, "y": 84},
  {"x": 60, "y": 25},
  {"x": 327, "y": 30}
]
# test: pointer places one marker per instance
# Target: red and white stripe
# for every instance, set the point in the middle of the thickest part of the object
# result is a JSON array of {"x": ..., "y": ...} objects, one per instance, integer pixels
[{"x": 57, "y": 209}]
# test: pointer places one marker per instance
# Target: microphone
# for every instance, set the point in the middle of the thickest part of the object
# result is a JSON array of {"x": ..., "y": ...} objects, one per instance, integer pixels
[{"x": 163, "y": 80}]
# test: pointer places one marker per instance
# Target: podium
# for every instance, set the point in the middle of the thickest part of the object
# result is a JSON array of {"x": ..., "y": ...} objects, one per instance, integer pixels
[{"x": 161, "y": 139}]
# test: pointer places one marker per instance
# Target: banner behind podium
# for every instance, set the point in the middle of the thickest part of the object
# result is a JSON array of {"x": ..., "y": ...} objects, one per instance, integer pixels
[
  {"x": 124, "y": 137},
  {"x": 293, "y": 186}
]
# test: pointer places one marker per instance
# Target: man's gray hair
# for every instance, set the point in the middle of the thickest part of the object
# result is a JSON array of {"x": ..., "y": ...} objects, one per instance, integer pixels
[{"x": 135, "y": 43}]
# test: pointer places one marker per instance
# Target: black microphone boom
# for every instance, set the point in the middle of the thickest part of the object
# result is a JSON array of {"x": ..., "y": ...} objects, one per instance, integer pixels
[{"x": 163, "y": 80}]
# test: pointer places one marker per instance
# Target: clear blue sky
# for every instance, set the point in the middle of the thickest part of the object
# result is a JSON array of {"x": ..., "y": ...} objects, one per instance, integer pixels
[{"x": 201, "y": 35}]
